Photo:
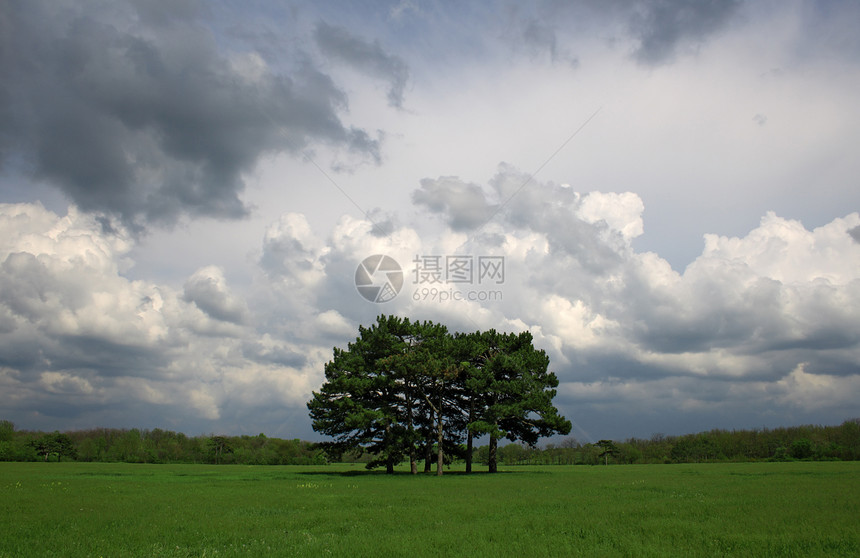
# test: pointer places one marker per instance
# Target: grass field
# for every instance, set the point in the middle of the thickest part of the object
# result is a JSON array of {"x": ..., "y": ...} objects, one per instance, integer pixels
[{"x": 753, "y": 509}]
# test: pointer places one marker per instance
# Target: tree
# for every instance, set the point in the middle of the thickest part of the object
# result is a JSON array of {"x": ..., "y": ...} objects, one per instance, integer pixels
[
  {"x": 7, "y": 431},
  {"x": 406, "y": 385},
  {"x": 375, "y": 392},
  {"x": 219, "y": 446},
  {"x": 801, "y": 449},
  {"x": 607, "y": 448},
  {"x": 423, "y": 370},
  {"x": 471, "y": 352},
  {"x": 54, "y": 444},
  {"x": 508, "y": 390}
]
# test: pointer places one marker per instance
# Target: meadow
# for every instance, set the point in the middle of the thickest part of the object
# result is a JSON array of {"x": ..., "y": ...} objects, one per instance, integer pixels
[{"x": 730, "y": 509}]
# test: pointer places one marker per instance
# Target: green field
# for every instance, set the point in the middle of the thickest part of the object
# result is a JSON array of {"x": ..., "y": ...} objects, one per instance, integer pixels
[{"x": 749, "y": 509}]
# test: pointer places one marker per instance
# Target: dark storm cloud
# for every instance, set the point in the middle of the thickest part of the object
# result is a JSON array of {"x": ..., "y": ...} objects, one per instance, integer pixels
[
  {"x": 41, "y": 352},
  {"x": 105, "y": 357},
  {"x": 365, "y": 56},
  {"x": 143, "y": 116},
  {"x": 662, "y": 26},
  {"x": 657, "y": 28}
]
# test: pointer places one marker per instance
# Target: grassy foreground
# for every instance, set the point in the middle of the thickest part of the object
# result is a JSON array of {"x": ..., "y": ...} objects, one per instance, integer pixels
[{"x": 750, "y": 509}]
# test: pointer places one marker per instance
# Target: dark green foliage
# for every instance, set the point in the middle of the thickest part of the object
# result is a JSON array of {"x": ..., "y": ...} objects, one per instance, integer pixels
[
  {"x": 801, "y": 449},
  {"x": 157, "y": 446},
  {"x": 508, "y": 390},
  {"x": 54, "y": 444},
  {"x": 378, "y": 395},
  {"x": 220, "y": 446},
  {"x": 7, "y": 431},
  {"x": 607, "y": 449},
  {"x": 822, "y": 443},
  {"x": 827, "y": 443},
  {"x": 404, "y": 389}
]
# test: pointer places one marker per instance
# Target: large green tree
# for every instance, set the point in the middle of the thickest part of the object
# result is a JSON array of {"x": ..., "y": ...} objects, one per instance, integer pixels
[
  {"x": 402, "y": 386},
  {"x": 376, "y": 393},
  {"x": 510, "y": 391},
  {"x": 420, "y": 367}
]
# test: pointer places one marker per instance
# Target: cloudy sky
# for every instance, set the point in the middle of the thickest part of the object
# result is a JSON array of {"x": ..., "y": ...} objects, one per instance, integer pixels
[{"x": 665, "y": 193}]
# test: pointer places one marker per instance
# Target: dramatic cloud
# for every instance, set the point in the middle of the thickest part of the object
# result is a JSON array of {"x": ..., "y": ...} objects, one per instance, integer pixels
[
  {"x": 773, "y": 310},
  {"x": 339, "y": 44},
  {"x": 689, "y": 258},
  {"x": 78, "y": 340},
  {"x": 140, "y": 113},
  {"x": 656, "y": 31}
]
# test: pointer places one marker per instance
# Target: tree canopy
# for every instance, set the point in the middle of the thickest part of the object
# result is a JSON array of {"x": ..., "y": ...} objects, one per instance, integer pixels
[{"x": 406, "y": 389}]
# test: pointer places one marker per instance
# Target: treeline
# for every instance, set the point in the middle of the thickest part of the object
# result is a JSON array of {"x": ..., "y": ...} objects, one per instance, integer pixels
[
  {"x": 152, "y": 446},
  {"x": 810, "y": 442}
]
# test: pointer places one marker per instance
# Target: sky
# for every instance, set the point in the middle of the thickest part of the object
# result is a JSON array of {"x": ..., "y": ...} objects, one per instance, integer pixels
[{"x": 664, "y": 193}]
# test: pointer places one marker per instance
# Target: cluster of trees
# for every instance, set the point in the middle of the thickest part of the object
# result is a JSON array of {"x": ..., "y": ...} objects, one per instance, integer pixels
[
  {"x": 411, "y": 390},
  {"x": 810, "y": 442},
  {"x": 152, "y": 446}
]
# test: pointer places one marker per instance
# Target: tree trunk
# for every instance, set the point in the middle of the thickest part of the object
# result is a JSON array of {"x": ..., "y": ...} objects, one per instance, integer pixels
[
  {"x": 389, "y": 461},
  {"x": 469, "y": 436},
  {"x": 428, "y": 456},
  {"x": 440, "y": 459},
  {"x": 469, "y": 452},
  {"x": 492, "y": 458},
  {"x": 413, "y": 463}
]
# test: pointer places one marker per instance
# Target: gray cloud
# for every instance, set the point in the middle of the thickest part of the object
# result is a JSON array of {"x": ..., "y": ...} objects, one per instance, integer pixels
[
  {"x": 529, "y": 204},
  {"x": 80, "y": 341},
  {"x": 208, "y": 290},
  {"x": 465, "y": 206},
  {"x": 662, "y": 26},
  {"x": 146, "y": 117},
  {"x": 278, "y": 355},
  {"x": 748, "y": 309},
  {"x": 164, "y": 12},
  {"x": 657, "y": 28},
  {"x": 539, "y": 37},
  {"x": 760, "y": 329},
  {"x": 103, "y": 356},
  {"x": 371, "y": 58}
]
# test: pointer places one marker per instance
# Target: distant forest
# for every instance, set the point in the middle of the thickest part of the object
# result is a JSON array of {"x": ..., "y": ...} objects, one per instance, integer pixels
[{"x": 810, "y": 442}]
